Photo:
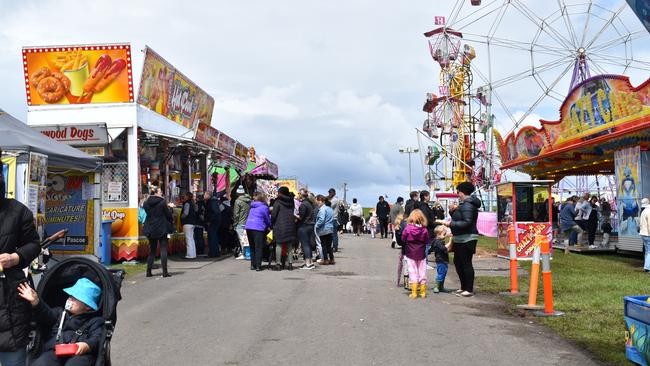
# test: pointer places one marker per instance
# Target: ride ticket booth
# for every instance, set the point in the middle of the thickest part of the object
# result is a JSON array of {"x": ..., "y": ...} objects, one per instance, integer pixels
[{"x": 527, "y": 206}]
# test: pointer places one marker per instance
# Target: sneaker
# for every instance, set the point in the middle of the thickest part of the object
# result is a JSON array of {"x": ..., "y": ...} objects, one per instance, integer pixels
[
  {"x": 465, "y": 294},
  {"x": 241, "y": 257},
  {"x": 458, "y": 291},
  {"x": 304, "y": 266},
  {"x": 429, "y": 267},
  {"x": 593, "y": 247}
]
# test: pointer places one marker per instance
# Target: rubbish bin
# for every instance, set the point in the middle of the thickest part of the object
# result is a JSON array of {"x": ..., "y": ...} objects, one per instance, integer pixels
[
  {"x": 106, "y": 242},
  {"x": 637, "y": 319}
]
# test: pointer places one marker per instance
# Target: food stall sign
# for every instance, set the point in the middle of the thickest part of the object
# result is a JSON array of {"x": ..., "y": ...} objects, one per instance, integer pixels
[
  {"x": 80, "y": 74},
  {"x": 76, "y": 135},
  {"x": 168, "y": 92}
]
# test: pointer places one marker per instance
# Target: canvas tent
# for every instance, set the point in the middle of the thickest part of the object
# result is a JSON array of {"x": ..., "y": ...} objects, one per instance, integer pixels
[{"x": 17, "y": 136}]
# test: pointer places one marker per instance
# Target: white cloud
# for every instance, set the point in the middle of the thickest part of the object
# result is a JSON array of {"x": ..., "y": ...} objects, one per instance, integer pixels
[{"x": 328, "y": 90}]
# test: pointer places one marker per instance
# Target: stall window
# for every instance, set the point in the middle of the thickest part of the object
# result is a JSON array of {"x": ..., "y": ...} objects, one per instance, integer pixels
[
  {"x": 532, "y": 203},
  {"x": 504, "y": 203},
  {"x": 115, "y": 183}
]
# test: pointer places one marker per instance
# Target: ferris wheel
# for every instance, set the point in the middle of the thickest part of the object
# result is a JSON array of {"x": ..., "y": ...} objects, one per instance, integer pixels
[{"x": 526, "y": 57}]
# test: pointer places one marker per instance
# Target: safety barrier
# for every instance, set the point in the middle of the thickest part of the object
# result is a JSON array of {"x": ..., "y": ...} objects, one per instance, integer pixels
[
  {"x": 547, "y": 282},
  {"x": 514, "y": 276},
  {"x": 534, "y": 279}
]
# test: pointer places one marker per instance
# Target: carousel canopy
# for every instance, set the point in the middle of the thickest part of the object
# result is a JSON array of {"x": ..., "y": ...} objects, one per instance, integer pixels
[
  {"x": 16, "y": 135},
  {"x": 601, "y": 115}
]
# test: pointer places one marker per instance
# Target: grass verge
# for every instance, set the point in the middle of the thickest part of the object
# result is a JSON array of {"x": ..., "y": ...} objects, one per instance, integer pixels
[
  {"x": 590, "y": 290},
  {"x": 130, "y": 269}
]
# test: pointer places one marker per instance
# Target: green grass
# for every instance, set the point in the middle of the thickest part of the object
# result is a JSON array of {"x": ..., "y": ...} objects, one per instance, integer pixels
[
  {"x": 590, "y": 290},
  {"x": 130, "y": 269}
]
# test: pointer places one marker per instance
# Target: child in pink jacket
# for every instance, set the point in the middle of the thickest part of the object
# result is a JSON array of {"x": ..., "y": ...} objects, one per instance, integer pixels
[{"x": 415, "y": 238}]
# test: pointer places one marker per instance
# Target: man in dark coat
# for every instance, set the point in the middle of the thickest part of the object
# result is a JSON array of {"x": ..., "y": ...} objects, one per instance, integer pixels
[
  {"x": 284, "y": 225},
  {"x": 410, "y": 203},
  {"x": 383, "y": 213},
  {"x": 212, "y": 219},
  {"x": 19, "y": 245}
]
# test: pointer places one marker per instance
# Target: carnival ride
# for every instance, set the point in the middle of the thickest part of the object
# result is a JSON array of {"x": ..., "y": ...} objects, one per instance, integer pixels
[{"x": 506, "y": 63}]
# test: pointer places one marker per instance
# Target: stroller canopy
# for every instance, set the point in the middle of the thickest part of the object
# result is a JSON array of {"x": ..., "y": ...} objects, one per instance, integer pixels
[{"x": 68, "y": 271}]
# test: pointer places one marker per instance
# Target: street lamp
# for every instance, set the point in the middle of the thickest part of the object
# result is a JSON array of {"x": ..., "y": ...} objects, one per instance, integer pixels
[{"x": 409, "y": 150}]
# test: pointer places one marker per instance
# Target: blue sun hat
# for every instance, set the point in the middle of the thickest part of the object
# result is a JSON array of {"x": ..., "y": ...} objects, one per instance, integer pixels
[{"x": 85, "y": 291}]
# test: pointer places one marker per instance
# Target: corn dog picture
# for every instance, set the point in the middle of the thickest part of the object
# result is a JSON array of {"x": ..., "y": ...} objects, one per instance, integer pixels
[{"x": 78, "y": 74}]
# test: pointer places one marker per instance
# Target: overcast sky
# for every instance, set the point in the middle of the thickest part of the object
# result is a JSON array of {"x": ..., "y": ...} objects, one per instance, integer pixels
[{"x": 330, "y": 90}]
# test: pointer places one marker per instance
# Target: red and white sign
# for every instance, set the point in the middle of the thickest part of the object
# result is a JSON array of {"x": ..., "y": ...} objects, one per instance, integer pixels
[
  {"x": 79, "y": 135},
  {"x": 440, "y": 20}
]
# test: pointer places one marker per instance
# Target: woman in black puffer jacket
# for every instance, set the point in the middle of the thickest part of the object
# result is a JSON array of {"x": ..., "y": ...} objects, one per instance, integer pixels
[
  {"x": 465, "y": 236},
  {"x": 157, "y": 226},
  {"x": 19, "y": 245}
]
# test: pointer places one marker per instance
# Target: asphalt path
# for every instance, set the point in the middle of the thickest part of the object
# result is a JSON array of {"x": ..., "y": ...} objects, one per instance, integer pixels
[{"x": 351, "y": 313}]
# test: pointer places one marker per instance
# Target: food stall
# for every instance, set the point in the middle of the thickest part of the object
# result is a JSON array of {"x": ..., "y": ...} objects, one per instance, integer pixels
[
  {"x": 525, "y": 205},
  {"x": 151, "y": 138},
  {"x": 603, "y": 129},
  {"x": 56, "y": 182}
]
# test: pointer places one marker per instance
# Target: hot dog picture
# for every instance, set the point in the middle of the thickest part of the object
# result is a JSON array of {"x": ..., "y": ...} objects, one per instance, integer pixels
[{"x": 78, "y": 75}]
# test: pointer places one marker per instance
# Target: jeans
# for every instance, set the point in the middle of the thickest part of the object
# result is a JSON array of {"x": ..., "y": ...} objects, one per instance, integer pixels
[
  {"x": 463, "y": 263},
  {"x": 356, "y": 224},
  {"x": 326, "y": 241},
  {"x": 441, "y": 271},
  {"x": 319, "y": 245},
  {"x": 383, "y": 222},
  {"x": 198, "y": 240},
  {"x": 213, "y": 241},
  {"x": 335, "y": 237},
  {"x": 257, "y": 241},
  {"x": 288, "y": 249},
  {"x": 646, "y": 244},
  {"x": 153, "y": 245},
  {"x": 16, "y": 358},
  {"x": 305, "y": 233},
  {"x": 188, "y": 230}
]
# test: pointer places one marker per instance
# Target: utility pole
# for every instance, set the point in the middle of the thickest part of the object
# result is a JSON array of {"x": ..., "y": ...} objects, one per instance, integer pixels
[
  {"x": 409, "y": 150},
  {"x": 345, "y": 192}
]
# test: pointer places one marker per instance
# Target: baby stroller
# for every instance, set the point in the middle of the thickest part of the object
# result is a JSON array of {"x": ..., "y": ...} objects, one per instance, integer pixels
[{"x": 64, "y": 274}]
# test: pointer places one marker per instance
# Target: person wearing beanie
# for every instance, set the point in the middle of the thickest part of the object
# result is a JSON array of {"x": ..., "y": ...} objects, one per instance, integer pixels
[
  {"x": 465, "y": 235},
  {"x": 79, "y": 323},
  {"x": 19, "y": 246}
]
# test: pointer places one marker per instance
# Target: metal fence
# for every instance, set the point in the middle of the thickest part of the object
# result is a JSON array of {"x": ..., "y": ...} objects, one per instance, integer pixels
[{"x": 115, "y": 183}]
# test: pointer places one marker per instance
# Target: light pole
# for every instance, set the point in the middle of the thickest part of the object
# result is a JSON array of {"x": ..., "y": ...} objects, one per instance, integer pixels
[{"x": 409, "y": 150}]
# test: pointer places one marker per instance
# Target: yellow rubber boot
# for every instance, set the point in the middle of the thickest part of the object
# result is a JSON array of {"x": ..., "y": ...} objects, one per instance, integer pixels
[
  {"x": 423, "y": 290},
  {"x": 414, "y": 291}
]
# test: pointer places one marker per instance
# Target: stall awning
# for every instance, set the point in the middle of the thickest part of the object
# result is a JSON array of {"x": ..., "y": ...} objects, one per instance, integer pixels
[
  {"x": 266, "y": 170},
  {"x": 16, "y": 135}
]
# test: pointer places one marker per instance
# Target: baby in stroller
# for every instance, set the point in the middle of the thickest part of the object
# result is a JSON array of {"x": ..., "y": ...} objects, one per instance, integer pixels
[{"x": 79, "y": 326}]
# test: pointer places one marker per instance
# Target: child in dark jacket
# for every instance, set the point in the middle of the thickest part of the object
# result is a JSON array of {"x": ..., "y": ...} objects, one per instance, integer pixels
[
  {"x": 441, "y": 251},
  {"x": 415, "y": 237},
  {"x": 80, "y": 316}
]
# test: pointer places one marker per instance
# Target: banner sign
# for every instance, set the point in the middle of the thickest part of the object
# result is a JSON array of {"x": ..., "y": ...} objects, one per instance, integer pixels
[
  {"x": 241, "y": 152},
  {"x": 125, "y": 221},
  {"x": 67, "y": 208},
  {"x": 642, "y": 10},
  {"x": 168, "y": 92},
  {"x": 79, "y": 135},
  {"x": 207, "y": 135},
  {"x": 292, "y": 184},
  {"x": 78, "y": 74},
  {"x": 627, "y": 163},
  {"x": 526, "y": 235},
  {"x": 599, "y": 106},
  {"x": 226, "y": 144}
]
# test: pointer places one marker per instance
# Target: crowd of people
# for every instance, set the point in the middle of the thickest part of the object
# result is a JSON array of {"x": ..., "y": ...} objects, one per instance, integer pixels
[
  {"x": 282, "y": 229},
  {"x": 275, "y": 231},
  {"x": 582, "y": 215}
]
